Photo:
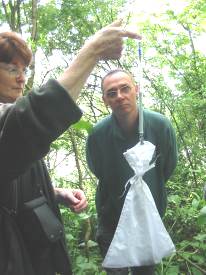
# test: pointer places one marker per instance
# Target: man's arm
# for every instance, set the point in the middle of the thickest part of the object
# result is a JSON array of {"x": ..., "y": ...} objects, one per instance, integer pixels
[
  {"x": 172, "y": 153},
  {"x": 93, "y": 161}
]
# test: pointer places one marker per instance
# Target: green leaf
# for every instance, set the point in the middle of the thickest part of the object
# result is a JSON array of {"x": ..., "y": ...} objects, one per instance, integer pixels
[
  {"x": 83, "y": 125},
  {"x": 69, "y": 237},
  {"x": 198, "y": 259},
  {"x": 173, "y": 270},
  {"x": 195, "y": 203},
  {"x": 195, "y": 271},
  {"x": 84, "y": 216},
  {"x": 174, "y": 199},
  {"x": 202, "y": 216},
  {"x": 200, "y": 237},
  {"x": 203, "y": 211}
]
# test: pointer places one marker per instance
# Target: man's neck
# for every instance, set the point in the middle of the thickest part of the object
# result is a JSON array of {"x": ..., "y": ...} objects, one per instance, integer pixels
[{"x": 128, "y": 123}]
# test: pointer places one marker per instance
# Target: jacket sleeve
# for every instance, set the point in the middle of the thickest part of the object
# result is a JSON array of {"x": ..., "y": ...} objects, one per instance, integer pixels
[
  {"x": 93, "y": 156},
  {"x": 28, "y": 127},
  {"x": 171, "y": 153}
]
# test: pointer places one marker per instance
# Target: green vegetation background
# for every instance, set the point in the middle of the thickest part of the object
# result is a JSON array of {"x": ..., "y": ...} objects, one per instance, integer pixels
[{"x": 174, "y": 84}]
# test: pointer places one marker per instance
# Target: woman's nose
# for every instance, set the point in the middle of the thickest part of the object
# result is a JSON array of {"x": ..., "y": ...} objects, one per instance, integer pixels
[{"x": 21, "y": 77}]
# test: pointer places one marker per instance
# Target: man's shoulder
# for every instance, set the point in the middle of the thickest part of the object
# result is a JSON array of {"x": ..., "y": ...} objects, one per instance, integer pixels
[
  {"x": 156, "y": 117},
  {"x": 102, "y": 126}
]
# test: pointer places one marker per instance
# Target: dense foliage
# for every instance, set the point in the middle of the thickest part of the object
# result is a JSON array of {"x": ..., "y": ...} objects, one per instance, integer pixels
[{"x": 174, "y": 84}]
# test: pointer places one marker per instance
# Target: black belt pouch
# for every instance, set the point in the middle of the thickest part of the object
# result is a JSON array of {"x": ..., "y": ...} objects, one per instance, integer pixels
[{"x": 39, "y": 224}]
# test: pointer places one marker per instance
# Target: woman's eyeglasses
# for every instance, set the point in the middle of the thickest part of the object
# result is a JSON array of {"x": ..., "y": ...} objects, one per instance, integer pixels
[{"x": 12, "y": 69}]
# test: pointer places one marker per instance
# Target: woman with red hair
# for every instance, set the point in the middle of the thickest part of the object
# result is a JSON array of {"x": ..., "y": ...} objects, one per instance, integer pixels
[{"x": 31, "y": 232}]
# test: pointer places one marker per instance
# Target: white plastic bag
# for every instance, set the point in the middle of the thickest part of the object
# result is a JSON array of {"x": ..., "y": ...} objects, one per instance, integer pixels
[{"x": 140, "y": 238}]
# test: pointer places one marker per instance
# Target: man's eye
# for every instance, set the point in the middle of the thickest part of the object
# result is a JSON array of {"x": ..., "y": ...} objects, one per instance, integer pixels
[
  {"x": 112, "y": 94},
  {"x": 125, "y": 89}
]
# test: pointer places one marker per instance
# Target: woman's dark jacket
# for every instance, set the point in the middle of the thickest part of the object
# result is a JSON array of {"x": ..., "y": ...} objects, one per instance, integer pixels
[{"x": 27, "y": 128}]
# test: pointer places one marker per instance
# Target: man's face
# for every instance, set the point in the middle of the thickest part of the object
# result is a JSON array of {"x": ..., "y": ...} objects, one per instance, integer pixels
[
  {"x": 12, "y": 80},
  {"x": 119, "y": 93}
]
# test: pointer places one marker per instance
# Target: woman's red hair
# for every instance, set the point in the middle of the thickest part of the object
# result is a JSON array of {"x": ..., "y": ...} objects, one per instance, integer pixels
[{"x": 13, "y": 46}]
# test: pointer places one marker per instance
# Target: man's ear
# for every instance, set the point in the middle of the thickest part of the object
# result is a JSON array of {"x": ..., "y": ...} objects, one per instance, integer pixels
[{"x": 105, "y": 103}]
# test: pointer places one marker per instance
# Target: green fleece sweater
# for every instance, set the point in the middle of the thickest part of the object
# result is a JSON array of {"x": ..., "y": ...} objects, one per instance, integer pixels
[{"x": 105, "y": 147}]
